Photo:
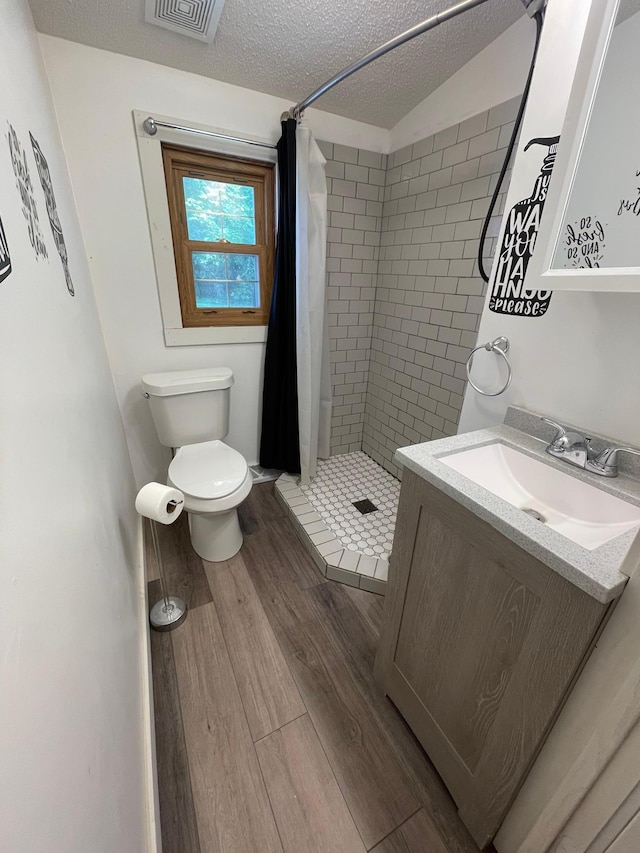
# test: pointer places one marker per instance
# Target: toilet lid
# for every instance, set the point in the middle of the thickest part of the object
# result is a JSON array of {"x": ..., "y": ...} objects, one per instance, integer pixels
[{"x": 208, "y": 470}]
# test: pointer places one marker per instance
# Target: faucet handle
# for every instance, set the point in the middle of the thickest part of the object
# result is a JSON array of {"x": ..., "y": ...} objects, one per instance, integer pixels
[
  {"x": 606, "y": 462},
  {"x": 561, "y": 430}
]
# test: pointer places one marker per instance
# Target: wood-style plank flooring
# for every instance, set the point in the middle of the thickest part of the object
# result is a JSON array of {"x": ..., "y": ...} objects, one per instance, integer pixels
[{"x": 271, "y": 734}]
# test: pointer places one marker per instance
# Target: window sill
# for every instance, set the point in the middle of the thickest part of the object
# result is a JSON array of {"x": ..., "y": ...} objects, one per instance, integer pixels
[{"x": 203, "y": 335}]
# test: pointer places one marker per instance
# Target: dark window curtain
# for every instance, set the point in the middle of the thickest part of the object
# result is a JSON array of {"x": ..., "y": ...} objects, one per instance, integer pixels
[{"x": 279, "y": 444}]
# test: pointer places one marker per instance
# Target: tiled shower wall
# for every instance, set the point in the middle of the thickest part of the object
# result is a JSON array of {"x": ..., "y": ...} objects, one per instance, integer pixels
[
  {"x": 429, "y": 294},
  {"x": 355, "y": 186}
]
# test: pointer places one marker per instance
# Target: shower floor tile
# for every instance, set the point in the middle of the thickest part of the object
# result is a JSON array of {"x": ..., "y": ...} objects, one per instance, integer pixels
[{"x": 348, "y": 545}]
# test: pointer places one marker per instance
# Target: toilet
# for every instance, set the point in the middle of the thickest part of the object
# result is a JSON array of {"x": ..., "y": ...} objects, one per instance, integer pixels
[{"x": 190, "y": 410}]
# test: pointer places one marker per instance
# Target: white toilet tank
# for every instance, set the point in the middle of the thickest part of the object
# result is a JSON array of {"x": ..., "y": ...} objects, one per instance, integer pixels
[{"x": 189, "y": 406}]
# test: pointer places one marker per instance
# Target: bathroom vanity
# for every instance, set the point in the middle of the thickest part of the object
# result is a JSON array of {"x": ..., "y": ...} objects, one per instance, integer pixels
[{"x": 491, "y": 613}]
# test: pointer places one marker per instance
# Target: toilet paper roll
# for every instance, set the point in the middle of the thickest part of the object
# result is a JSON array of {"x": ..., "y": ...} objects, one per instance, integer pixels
[{"x": 160, "y": 503}]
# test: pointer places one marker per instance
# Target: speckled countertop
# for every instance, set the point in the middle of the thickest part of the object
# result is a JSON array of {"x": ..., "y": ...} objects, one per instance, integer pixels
[{"x": 599, "y": 572}]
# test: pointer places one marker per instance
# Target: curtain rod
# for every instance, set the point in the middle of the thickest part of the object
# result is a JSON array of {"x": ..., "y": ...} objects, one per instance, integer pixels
[
  {"x": 151, "y": 126},
  {"x": 429, "y": 24}
]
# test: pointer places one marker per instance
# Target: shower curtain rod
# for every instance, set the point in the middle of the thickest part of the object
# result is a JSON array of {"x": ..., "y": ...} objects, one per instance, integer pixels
[
  {"x": 151, "y": 126},
  {"x": 429, "y": 24}
]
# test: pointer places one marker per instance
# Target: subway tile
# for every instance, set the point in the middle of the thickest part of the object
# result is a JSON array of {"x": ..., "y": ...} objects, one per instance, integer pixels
[
  {"x": 455, "y": 154},
  {"x": 401, "y": 189},
  {"x": 468, "y": 230},
  {"x": 402, "y": 155},
  {"x": 443, "y": 232},
  {"x": 479, "y": 208},
  {"x": 422, "y": 148},
  {"x": 367, "y": 192},
  {"x": 466, "y": 171},
  {"x": 418, "y": 185},
  {"x": 354, "y": 205},
  {"x": 446, "y": 284},
  {"x": 491, "y": 162},
  {"x": 426, "y": 200},
  {"x": 431, "y": 163},
  {"x": 457, "y": 353},
  {"x": 445, "y": 138},
  {"x": 334, "y": 169},
  {"x": 473, "y": 126},
  {"x": 506, "y": 132},
  {"x": 371, "y": 159},
  {"x": 478, "y": 188},
  {"x": 484, "y": 143},
  {"x": 454, "y": 302},
  {"x": 356, "y": 173},
  {"x": 345, "y": 153},
  {"x": 451, "y": 250},
  {"x": 341, "y": 220},
  {"x": 461, "y": 267},
  {"x": 441, "y": 318},
  {"x": 464, "y": 321},
  {"x": 410, "y": 170},
  {"x": 503, "y": 113},
  {"x": 440, "y": 179},
  {"x": 344, "y": 188},
  {"x": 460, "y": 212},
  {"x": 435, "y": 216}
]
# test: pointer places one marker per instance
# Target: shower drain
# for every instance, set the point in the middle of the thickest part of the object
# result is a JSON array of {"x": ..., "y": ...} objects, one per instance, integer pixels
[{"x": 534, "y": 514}]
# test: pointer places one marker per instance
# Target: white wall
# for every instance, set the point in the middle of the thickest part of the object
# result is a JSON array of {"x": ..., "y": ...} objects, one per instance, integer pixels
[
  {"x": 71, "y": 736},
  {"x": 496, "y": 74},
  {"x": 94, "y": 92},
  {"x": 579, "y": 361}
]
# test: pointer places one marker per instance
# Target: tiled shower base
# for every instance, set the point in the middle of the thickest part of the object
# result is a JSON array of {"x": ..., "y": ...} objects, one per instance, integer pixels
[{"x": 347, "y": 546}]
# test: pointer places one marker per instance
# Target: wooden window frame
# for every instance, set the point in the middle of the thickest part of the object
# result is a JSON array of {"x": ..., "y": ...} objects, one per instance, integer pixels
[{"x": 184, "y": 162}]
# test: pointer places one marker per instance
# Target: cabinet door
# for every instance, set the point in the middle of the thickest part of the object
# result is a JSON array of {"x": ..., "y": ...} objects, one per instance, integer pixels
[{"x": 480, "y": 645}]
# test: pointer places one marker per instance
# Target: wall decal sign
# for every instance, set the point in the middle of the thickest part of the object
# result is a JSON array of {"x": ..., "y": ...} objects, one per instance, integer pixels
[
  {"x": 584, "y": 242},
  {"x": 508, "y": 293},
  {"x": 24, "y": 185},
  {"x": 5, "y": 257},
  {"x": 630, "y": 205},
  {"x": 52, "y": 211}
]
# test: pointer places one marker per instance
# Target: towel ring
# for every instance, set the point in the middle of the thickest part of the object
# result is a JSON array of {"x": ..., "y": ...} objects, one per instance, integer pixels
[{"x": 501, "y": 346}]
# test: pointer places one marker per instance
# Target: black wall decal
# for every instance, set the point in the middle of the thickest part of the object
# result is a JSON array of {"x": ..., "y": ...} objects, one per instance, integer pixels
[
  {"x": 25, "y": 188},
  {"x": 509, "y": 294},
  {"x": 631, "y": 205},
  {"x": 5, "y": 257},
  {"x": 584, "y": 242},
  {"x": 52, "y": 211}
]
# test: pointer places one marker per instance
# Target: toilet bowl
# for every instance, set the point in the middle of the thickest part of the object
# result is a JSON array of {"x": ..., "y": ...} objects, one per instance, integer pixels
[{"x": 214, "y": 479}]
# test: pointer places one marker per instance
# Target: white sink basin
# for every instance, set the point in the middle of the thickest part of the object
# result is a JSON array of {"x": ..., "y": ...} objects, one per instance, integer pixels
[{"x": 577, "y": 510}]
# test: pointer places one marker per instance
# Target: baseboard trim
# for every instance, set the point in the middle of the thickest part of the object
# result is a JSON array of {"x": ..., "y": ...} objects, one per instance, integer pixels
[{"x": 148, "y": 718}]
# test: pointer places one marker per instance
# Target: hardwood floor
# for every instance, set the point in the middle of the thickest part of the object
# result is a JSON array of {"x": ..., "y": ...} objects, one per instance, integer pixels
[{"x": 271, "y": 734}]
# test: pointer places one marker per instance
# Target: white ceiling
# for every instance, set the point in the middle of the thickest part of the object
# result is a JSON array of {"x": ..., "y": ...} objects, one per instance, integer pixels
[{"x": 289, "y": 49}]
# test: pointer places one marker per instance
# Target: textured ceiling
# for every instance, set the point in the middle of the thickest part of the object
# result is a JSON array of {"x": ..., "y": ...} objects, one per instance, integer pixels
[{"x": 289, "y": 49}]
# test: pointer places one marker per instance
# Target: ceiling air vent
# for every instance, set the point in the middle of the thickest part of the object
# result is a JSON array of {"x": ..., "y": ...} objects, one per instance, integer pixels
[{"x": 195, "y": 18}]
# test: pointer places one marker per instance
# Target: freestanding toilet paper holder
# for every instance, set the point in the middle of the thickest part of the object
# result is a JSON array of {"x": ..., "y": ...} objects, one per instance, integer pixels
[
  {"x": 157, "y": 502},
  {"x": 171, "y": 610}
]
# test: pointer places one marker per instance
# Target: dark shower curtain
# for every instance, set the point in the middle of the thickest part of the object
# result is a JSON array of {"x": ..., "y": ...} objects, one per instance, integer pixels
[{"x": 279, "y": 443}]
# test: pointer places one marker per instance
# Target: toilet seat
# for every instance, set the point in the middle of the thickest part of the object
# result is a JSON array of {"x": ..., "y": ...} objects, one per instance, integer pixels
[{"x": 208, "y": 471}]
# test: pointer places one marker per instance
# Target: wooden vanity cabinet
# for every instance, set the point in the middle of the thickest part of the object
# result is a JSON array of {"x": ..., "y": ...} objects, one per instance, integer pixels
[{"x": 480, "y": 646}]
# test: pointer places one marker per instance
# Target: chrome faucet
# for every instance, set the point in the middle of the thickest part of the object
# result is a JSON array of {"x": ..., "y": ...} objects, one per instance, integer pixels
[
  {"x": 606, "y": 462},
  {"x": 574, "y": 448}
]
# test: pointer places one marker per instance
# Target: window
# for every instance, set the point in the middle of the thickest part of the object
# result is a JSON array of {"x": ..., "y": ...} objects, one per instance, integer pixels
[{"x": 222, "y": 223}]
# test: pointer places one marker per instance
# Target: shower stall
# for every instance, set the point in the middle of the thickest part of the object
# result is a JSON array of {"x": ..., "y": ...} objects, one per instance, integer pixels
[{"x": 410, "y": 236}]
